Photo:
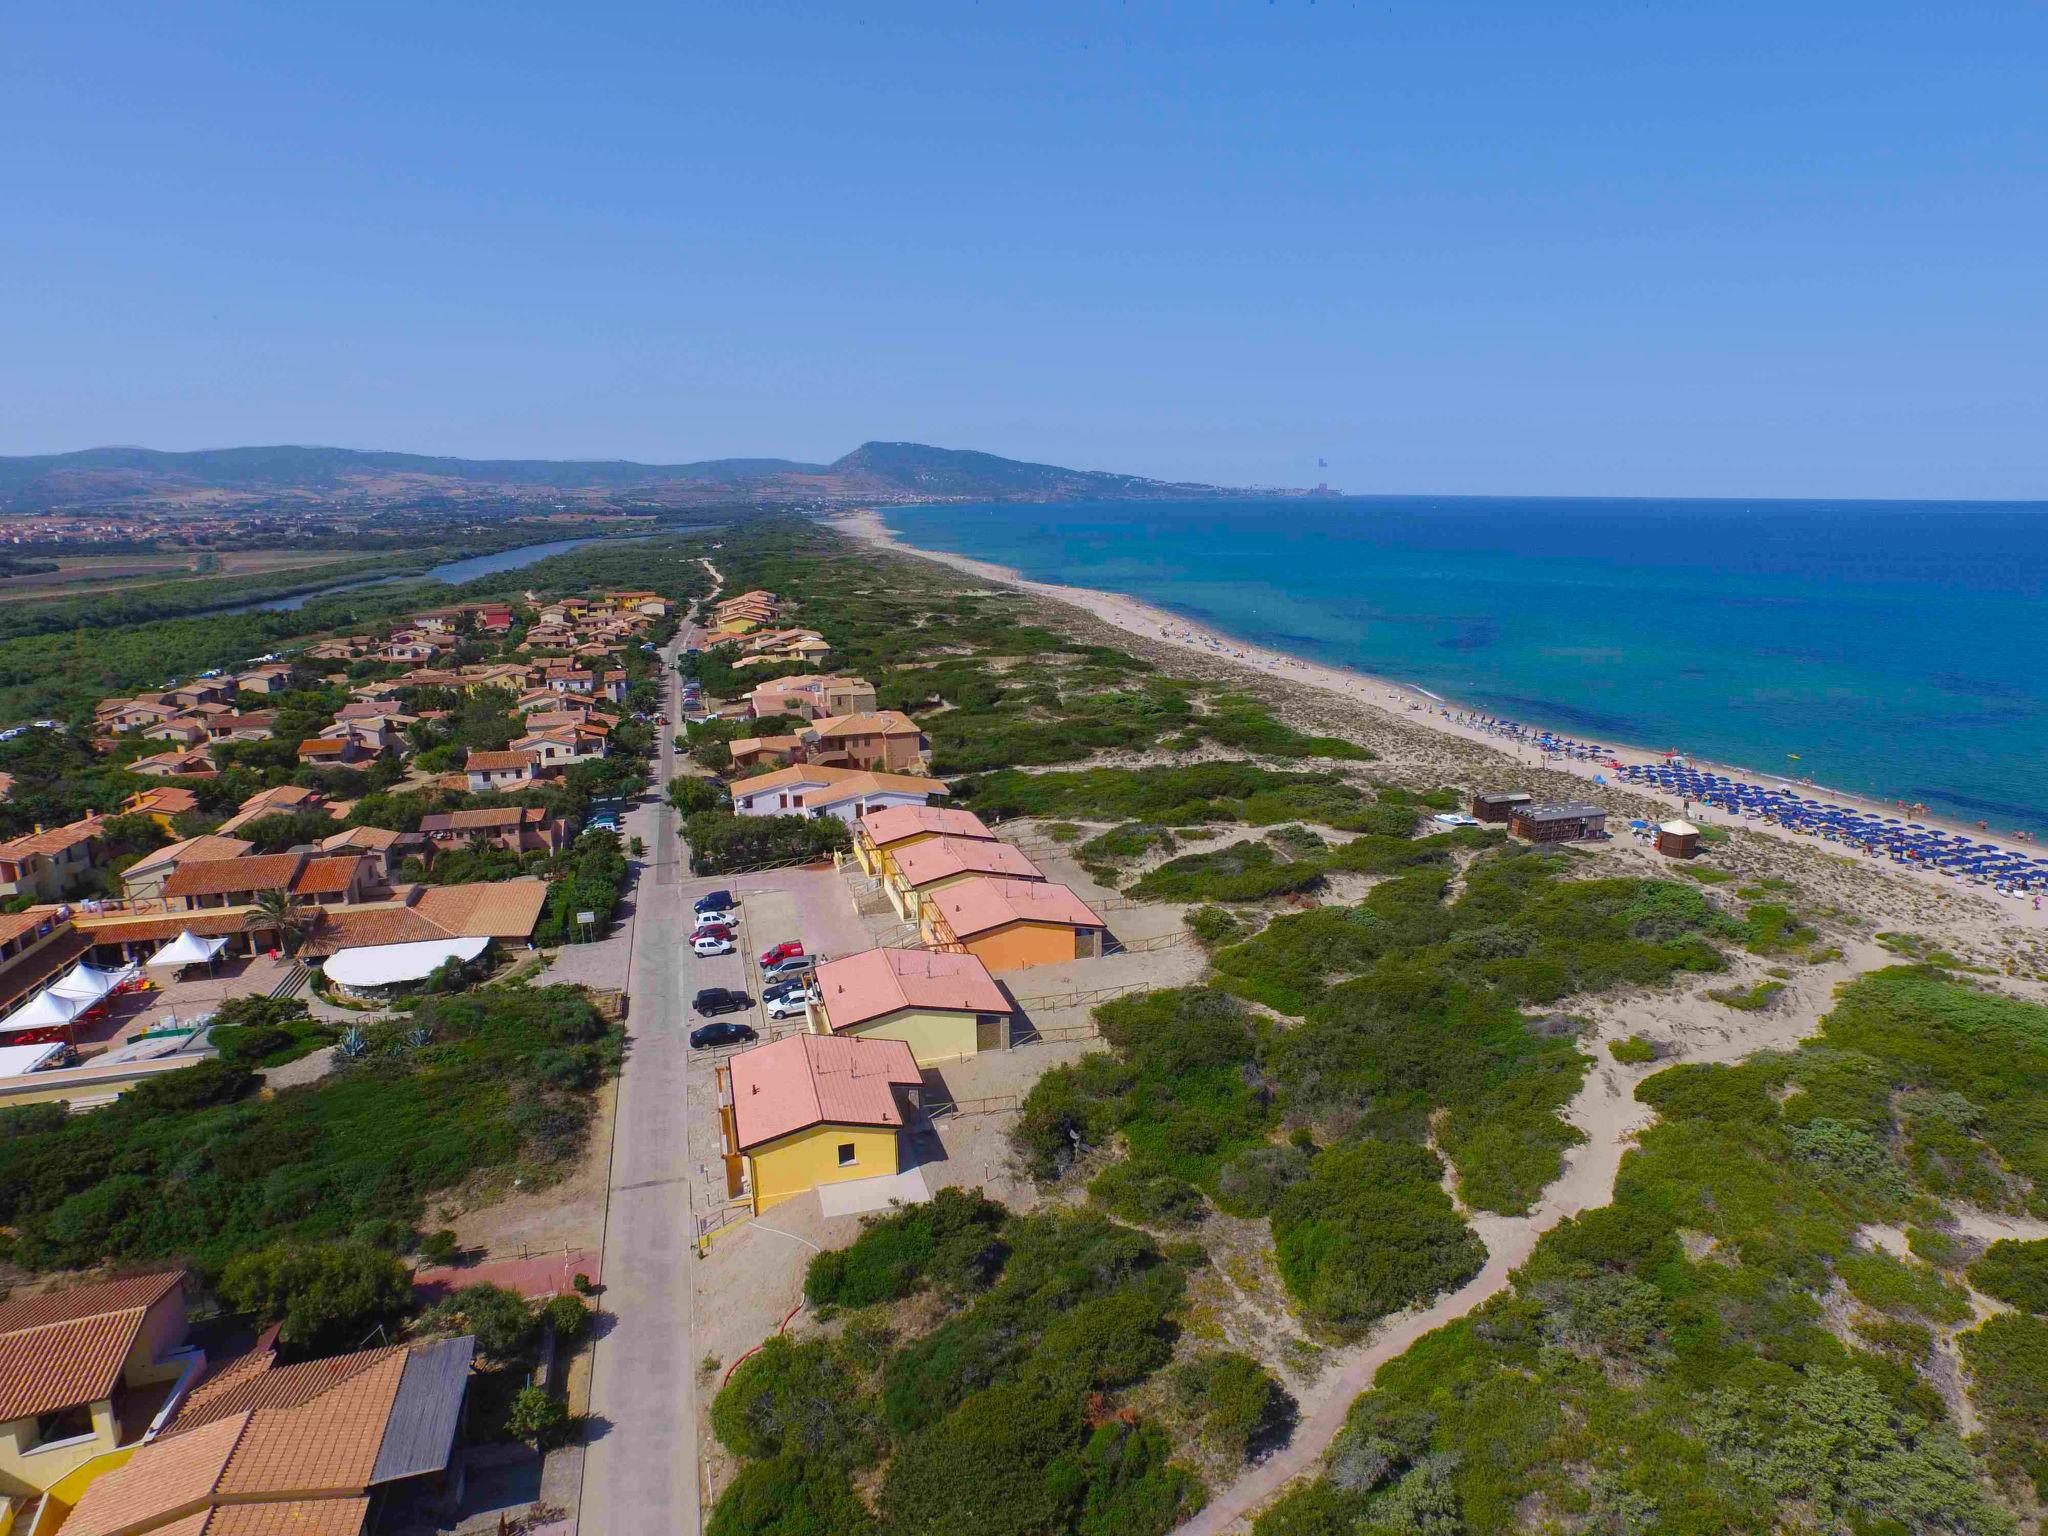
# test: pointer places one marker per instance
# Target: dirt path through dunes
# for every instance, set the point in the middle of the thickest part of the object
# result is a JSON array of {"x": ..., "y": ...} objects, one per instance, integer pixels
[{"x": 1605, "y": 1109}]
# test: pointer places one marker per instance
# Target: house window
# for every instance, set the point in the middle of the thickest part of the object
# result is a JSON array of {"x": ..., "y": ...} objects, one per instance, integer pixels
[
  {"x": 846, "y": 1157},
  {"x": 65, "y": 1424}
]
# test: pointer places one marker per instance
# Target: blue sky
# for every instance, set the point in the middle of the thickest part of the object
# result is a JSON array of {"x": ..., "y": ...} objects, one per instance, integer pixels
[{"x": 1738, "y": 249}]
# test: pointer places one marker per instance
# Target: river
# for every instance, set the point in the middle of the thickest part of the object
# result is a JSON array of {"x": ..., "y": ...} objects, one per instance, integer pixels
[{"x": 451, "y": 573}]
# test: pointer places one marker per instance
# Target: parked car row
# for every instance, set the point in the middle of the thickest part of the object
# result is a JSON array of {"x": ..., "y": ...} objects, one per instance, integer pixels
[{"x": 788, "y": 974}]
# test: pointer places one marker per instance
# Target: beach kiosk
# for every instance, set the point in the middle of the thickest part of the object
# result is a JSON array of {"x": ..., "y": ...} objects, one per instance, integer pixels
[
  {"x": 1499, "y": 804},
  {"x": 1564, "y": 823},
  {"x": 1678, "y": 839}
]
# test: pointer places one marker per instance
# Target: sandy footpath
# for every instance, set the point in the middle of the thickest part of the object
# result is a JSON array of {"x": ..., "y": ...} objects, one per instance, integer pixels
[{"x": 1504, "y": 763}]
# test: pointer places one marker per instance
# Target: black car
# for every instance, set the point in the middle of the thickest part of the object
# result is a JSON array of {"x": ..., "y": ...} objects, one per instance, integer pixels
[
  {"x": 716, "y": 1000},
  {"x": 716, "y": 901},
  {"x": 706, "y": 1036}
]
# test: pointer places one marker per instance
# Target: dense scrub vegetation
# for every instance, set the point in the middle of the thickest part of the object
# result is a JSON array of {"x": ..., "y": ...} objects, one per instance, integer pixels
[
  {"x": 195, "y": 1166},
  {"x": 1723, "y": 1348},
  {"x": 1426, "y": 1040},
  {"x": 995, "y": 1422}
]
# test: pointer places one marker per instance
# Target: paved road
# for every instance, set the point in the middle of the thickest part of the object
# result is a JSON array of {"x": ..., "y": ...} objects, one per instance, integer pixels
[{"x": 640, "y": 1473}]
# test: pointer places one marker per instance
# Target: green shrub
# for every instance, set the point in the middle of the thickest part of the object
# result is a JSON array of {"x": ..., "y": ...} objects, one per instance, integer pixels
[
  {"x": 1214, "y": 927},
  {"x": 1236, "y": 1402},
  {"x": 1246, "y": 871},
  {"x": 1371, "y": 1231},
  {"x": 790, "y": 1496},
  {"x": 1146, "y": 1196},
  {"x": 538, "y": 1417},
  {"x": 501, "y": 1321},
  {"x": 2008, "y": 1361},
  {"x": 1887, "y": 1284},
  {"x": 796, "y": 1400},
  {"x": 1634, "y": 1051},
  {"x": 1750, "y": 999},
  {"x": 568, "y": 1317},
  {"x": 952, "y": 1240},
  {"x": 326, "y": 1297},
  {"x": 1252, "y": 1182},
  {"x": 2015, "y": 1272}
]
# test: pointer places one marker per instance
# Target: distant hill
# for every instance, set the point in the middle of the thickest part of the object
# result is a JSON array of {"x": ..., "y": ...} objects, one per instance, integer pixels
[
  {"x": 920, "y": 470},
  {"x": 216, "y": 476}
]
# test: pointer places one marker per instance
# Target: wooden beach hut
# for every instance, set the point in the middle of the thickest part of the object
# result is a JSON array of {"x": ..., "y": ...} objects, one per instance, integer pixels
[
  {"x": 1565, "y": 823},
  {"x": 1678, "y": 839},
  {"x": 1499, "y": 805}
]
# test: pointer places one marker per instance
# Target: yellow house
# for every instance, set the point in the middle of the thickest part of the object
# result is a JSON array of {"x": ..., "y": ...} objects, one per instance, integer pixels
[
  {"x": 934, "y": 864},
  {"x": 816, "y": 1109},
  {"x": 1012, "y": 924},
  {"x": 943, "y": 1006},
  {"x": 86, "y": 1372},
  {"x": 882, "y": 833}
]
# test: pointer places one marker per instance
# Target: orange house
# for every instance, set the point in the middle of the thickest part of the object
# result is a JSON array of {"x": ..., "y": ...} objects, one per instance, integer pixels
[{"x": 1011, "y": 924}]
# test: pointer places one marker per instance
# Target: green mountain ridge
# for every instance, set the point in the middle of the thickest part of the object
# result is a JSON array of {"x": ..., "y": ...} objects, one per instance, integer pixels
[{"x": 111, "y": 475}]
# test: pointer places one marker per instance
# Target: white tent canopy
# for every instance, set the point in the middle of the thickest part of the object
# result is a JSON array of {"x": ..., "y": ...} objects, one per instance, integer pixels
[
  {"x": 89, "y": 984},
  {"x": 46, "y": 1010},
  {"x": 383, "y": 965},
  {"x": 17, "y": 1059},
  {"x": 186, "y": 949}
]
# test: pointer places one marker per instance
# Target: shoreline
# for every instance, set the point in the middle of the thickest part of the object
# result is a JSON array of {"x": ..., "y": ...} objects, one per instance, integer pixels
[{"x": 1418, "y": 706}]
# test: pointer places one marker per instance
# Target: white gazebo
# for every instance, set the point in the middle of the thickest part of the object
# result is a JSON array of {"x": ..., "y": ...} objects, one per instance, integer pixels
[{"x": 186, "y": 949}]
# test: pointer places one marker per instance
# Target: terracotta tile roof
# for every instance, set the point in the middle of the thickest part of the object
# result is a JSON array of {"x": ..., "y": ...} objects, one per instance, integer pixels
[
  {"x": 939, "y": 858},
  {"x": 55, "y": 839},
  {"x": 895, "y": 822},
  {"x": 490, "y": 909},
  {"x": 136, "y": 930},
  {"x": 327, "y": 1443},
  {"x": 832, "y": 785},
  {"x": 377, "y": 838},
  {"x": 289, "y": 1517},
  {"x": 880, "y": 981},
  {"x": 169, "y": 801},
  {"x": 806, "y": 1080},
  {"x": 366, "y": 927},
  {"x": 68, "y": 1347},
  {"x": 257, "y": 1381},
  {"x": 14, "y": 924},
  {"x": 887, "y": 722},
  {"x": 217, "y": 877},
  {"x": 327, "y": 877},
  {"x": 986, "y": 902},
  {"x": 318, "y": 746},
  {"x": 78, "y": 1301},
  {"x": 499, "y": 762},
  {"x": 283, "y": 797},
  {"x": 286, "y": 1450},
  {"x": 207, "y": 845},
  {"x": 495, "y": 818},
  {"x": 172, "y": 1477}
]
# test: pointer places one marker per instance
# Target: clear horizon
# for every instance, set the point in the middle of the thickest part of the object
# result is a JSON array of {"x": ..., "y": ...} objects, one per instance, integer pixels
[{"x": 1582, "y": 251}]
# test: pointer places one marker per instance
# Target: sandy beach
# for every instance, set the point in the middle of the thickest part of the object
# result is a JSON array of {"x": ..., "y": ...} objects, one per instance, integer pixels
[{"x": 1503, "y": 763}]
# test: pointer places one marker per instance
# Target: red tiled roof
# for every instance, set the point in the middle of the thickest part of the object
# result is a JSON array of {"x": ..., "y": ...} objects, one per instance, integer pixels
[
  {"x": 986, "y": 902},
  {"x": 327, "y": 877},
  {"x": 806, "y": 1080},
  {"x": 68, "y": 1347},
  {"x": 895, "y": 822},
  {"x": 218, "y": 877},
  {"x": 499, "y": 762},
  {"x": 878, "y": 982}
]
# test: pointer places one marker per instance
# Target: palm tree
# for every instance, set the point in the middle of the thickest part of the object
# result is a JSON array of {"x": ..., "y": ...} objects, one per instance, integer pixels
[{"x": 291, "y": 919}]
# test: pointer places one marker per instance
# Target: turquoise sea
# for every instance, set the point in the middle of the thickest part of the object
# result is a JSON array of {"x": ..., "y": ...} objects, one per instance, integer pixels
[{"x": 1897, "y": 648}]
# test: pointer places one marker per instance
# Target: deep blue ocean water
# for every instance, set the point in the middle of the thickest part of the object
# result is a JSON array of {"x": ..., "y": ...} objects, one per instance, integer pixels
[{"x": 1897, "y": 648}]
